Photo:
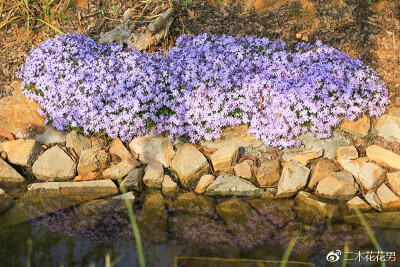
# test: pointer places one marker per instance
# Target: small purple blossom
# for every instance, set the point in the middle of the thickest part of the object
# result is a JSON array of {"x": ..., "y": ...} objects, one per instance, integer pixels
[{"x": 203, "y": 84}]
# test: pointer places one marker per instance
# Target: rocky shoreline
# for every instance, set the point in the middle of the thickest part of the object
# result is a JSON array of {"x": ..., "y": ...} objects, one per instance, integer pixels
[{"x": 324, "y": 177}]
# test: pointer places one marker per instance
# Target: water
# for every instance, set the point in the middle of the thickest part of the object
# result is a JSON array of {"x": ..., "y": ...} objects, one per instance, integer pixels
[{"x": 84, "y": 235}]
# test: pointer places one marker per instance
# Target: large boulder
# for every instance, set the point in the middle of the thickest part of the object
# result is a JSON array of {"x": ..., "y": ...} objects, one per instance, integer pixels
[
  {"x": 294, "y": 178},
  {"x": 339, "y": 185},
  {"x": 8, "y": 176},
  {"x": 367, "y": 174},
  {"x": 153, "y": 175},
  {"x": 189, "y": 165},
  {"x": 21, "y": 152},
  {"x": 153, "y": 149},
  {"x": 77, "y": 141},
  {"x": 388, "y": 125},
  {"x": 230, "y": 185},
  {"x": 93, "y": 159},
  {"x": 54, "y": 165},
  {"x": 383, "y": 157}
]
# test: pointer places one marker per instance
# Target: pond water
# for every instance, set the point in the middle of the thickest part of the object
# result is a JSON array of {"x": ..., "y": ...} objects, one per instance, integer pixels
[{"x": 194, "y": 235}]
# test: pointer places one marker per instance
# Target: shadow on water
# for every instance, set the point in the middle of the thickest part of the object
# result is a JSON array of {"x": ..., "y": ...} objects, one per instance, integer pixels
[{"x": 190, "y": 230}]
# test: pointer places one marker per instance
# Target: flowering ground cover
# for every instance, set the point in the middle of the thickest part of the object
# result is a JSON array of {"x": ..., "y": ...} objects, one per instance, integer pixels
[{"x": 200, "y": 86}]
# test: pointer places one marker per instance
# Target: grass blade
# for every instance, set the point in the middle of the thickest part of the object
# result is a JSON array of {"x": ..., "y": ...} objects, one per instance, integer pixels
[
  {"x": 135, "y": 228},
  {"x": 107, "y": 260},
  {"x": 345, "y": 250},
  {"x": 288, "y": 250},
  {"x": 369, "y": 232},
  {"x": 51, "y": 26},
  {"x": 9, "y": 21}
]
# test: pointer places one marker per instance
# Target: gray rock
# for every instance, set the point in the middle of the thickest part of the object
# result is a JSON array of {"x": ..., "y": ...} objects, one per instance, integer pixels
[
  {"x": 78, "y": 142},
  {"x": 294, "y": 178},
  {"x": 93, "y": 159},
  {"x": 367, "y": 174},
  {"x": 54, "y": 165},
  {"x": 120, "y": 170},
  {"x": 8, "y": 176},
  {"x": 134, "y": 180},
  {"x": 189, "y": 165},
  {"x": 153, "y": 175},
  {"x": 329, "y": 145},
  {"x": 21, "y": 152},
  {"x": 153, "y": 149},
  {"x": 6, "y": 201},
  {"x": 388, "y": 125},
  {"x": 339, "y": 185},
  {"x": 230, "y": 185}
]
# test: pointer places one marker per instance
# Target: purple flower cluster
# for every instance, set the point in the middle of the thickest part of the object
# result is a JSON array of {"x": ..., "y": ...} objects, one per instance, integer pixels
[{"x": 203, "y": 84}]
